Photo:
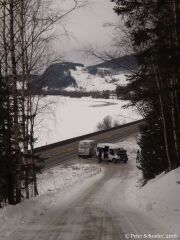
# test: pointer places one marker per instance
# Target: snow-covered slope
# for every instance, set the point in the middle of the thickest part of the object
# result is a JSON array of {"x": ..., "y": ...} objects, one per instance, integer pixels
[
  {"x": 95, "y": 82},
  {"x": 161, "y": 197}
]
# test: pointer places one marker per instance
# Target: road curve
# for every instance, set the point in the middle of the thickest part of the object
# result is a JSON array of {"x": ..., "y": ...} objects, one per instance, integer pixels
[
  {"x": 60, "y": 154},
  {"x": 98, "y": 212},
  {"x": 94, "y": 210}
]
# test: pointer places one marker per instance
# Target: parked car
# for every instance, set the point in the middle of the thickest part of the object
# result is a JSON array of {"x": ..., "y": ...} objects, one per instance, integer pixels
[
  {"x": 111, "y": 152},
  {"x": 87, "y": 148}
]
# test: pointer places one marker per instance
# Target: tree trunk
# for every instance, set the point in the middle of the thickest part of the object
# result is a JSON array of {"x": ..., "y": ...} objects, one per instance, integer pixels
[
  {"x": 15, "y": 101},
  {"x": 163, "y": 117}
]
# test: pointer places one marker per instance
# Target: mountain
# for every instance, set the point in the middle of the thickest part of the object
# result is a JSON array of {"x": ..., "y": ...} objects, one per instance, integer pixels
[
  {"x": 58, "y": 76},
  {"x": 122, "y": 64},
  {"x": 74, "y": 77}
]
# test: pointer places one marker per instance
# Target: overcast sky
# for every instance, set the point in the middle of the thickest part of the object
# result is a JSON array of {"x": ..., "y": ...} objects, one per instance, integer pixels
[{"x": 86, "y": 27}]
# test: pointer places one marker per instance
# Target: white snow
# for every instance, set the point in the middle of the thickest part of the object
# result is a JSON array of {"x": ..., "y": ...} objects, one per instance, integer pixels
[
  {"x": 159, "y": 198},
  {"x": 88, "y": 82},
  {"x": 66, "y": 117},
  {"x": 54, "y": 185},
  {"x": 20, "y": 85}
]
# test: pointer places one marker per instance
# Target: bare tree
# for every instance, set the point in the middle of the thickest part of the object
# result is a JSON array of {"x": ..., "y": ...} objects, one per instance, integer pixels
[{"x": 26, "y": 32}]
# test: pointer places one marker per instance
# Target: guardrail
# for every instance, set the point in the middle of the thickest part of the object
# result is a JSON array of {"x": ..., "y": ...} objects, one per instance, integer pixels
[{"x": 64, "y": 142}]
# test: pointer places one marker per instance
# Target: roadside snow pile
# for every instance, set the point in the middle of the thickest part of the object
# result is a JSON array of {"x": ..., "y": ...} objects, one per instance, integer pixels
[
  {"x": 59, "y": 178},
  {"x": 89, "y": 82},
  {"x": 161, "y": 196},
  {"x": 53, "y": 185}
]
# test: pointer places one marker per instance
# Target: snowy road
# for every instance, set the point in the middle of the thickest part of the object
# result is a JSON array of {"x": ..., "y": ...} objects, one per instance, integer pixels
[{"x": 94, "y": 211}]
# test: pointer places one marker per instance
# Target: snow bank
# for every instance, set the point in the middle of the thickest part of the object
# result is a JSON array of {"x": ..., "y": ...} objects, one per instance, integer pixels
[
  {"x": 54, "y": 185},
  {"x": 160, "y": 197}
]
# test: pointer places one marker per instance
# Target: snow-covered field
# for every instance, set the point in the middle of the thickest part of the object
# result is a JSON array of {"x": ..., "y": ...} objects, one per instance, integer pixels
[
  {"x": 89, "y": 82},
  {"x": 65, "y": 117},
  {"x": 52, "y": 185}
]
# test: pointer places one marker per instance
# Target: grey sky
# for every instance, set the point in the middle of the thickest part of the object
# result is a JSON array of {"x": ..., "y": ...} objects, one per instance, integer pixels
[{"x": 86, "y": 27}]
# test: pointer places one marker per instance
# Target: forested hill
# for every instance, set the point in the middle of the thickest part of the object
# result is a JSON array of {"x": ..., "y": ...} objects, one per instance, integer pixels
[
  {"x": 57, "y": 76},
  {"x": 123, "y": 64}
]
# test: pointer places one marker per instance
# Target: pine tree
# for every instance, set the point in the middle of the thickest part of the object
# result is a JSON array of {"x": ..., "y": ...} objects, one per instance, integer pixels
[
  {"x": 2, "y": 136},
  {"x": 154, "y": 88},
  {"x": 6, "y": 162}
]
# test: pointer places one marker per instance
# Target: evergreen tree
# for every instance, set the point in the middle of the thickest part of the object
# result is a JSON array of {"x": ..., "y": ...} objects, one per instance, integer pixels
[
  {"x": 6, "y": 163},
  {"x": 2, "y": 134},
  {"x": 154, "y": 88}
]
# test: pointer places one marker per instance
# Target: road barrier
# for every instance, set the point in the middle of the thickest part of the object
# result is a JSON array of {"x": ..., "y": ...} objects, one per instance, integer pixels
[{"x": 64, "y": 142}]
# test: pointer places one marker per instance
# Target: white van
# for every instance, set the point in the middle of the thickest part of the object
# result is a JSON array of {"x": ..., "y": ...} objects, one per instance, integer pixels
[
  {"x": 87, "y": 148},
  {"x": 111, "y": 152}
]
